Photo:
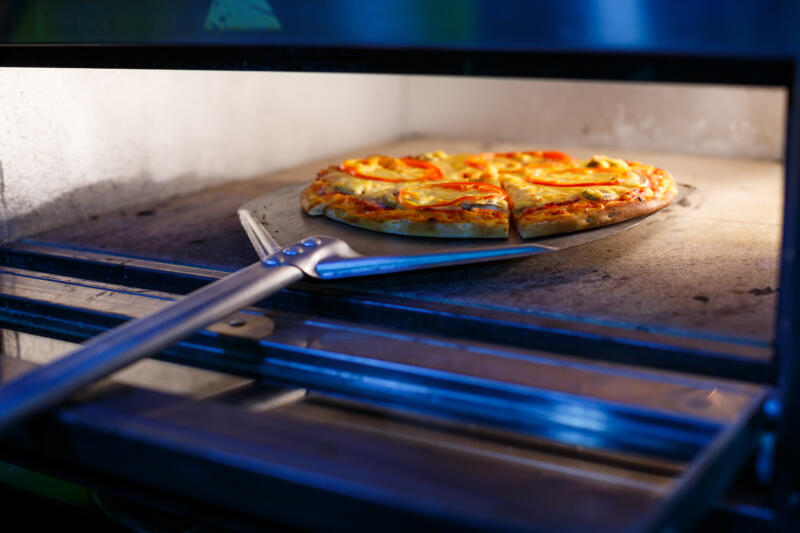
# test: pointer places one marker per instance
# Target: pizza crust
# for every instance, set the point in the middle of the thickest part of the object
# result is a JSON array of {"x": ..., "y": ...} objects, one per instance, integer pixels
[
  {"x": 431, "y": 226},
  {"x": 311, "y": 202},
  {"x": 531, "y": 225}
]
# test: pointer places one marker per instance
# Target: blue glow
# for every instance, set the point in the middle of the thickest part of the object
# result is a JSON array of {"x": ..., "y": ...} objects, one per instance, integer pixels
[
  {"x": 368, "y": 266},
  {"x": 772, "y": 408},
  {"x": 618, "y": 371},
  {"x": 533, "y": 406},
  {"x": 575, "y": 318}
]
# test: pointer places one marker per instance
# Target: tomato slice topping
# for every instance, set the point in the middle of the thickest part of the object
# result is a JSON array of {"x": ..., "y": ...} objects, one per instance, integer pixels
[
  {"x": 481, "y": 191},
  {"x": 506, "y": 164},
  {"x": 501, "y": 163},
  {"x": 382, "y": 168},
  {"x": 480, "y": 161},
  {"x": 507, "y": 161},
  {"x": 559, "y": 156},
  {"x": 549, "y": 154}
]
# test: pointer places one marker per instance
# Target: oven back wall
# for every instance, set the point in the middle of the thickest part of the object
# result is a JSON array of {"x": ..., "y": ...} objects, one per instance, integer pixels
[
  {"x": 687, "y": 119},
  {"x": 80, "y": 142}
]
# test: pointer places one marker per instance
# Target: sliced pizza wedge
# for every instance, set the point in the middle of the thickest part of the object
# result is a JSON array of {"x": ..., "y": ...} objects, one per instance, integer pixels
[
  {"x": 434, "y": 195},
  {"x": 548, "y": 199}
]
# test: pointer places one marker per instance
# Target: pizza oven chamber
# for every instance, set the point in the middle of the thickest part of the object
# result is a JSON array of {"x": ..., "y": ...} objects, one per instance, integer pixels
[{"x": 639, "y": 383}]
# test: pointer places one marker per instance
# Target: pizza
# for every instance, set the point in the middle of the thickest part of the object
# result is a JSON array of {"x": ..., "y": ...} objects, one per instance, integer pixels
[
  {"x": 478, "y": 195},
  {"x": 433, "y": 196}
]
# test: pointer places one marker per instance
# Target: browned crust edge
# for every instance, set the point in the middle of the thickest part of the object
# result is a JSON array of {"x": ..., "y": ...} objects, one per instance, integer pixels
[
  {"x": 528, "y": 226},
  {"x": 311, "y": 201},
  {"x": 482, "y": 228},
  {"x": 430, "y": 223}
]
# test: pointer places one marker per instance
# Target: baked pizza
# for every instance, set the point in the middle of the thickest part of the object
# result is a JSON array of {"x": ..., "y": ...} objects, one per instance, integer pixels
[{"x": 476, "y": 195}]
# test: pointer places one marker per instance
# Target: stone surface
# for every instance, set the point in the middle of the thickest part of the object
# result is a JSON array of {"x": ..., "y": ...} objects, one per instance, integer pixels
[{"x": 704, "y": 267}]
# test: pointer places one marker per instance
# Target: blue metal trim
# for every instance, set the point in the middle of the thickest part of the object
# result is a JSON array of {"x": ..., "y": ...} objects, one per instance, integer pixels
[{"x": 787, "y": 337}]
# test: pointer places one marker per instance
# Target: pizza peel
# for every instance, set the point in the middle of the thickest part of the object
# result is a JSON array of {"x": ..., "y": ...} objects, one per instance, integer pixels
[{"x": 290, "y": 246}]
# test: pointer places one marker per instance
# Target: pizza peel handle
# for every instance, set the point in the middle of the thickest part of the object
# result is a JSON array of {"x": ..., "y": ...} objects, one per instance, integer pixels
[{"x": 47, "y": 385}]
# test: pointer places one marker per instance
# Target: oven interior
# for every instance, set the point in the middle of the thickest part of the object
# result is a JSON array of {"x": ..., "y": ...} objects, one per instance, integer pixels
[{"x": 624, "y": 384}]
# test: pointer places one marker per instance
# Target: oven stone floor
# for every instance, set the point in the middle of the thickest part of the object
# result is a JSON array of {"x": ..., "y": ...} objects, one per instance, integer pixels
[{"x": 704, "y": 267}]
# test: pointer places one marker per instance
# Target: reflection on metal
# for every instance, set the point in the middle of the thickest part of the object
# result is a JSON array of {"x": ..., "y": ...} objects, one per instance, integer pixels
[
  {"x": 138, "y": 338},
  {"x": 361, "y": 461},
  {"x": 259, "y": 397},
  {"x": 576, "y": 404},
  {"x": 564, "y": 418}
]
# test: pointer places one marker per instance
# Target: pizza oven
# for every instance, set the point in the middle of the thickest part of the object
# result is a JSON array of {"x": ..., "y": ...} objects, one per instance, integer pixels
[{"x": 644, "y": 381}]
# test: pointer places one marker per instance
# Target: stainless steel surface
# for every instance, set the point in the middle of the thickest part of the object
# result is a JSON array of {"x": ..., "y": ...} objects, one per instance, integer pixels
[{"x": 50, "y": 384}]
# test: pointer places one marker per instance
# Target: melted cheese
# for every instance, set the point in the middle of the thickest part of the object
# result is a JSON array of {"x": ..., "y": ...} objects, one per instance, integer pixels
[
  {"x": 351, "y": 185},
  {"x": 624, "y": 177},
  {"x": 508, "y": 172},
  {"x": 434, "y": 196},
  {"x": 598, "y": 170},
  {"x": 526, "y": 195},
  {"x": 386, "y": 167},
  {"x": 455, "y": 168}
]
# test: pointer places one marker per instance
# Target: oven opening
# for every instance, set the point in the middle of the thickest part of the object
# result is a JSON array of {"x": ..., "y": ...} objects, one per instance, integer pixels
[{"x": 633, "y": 371}]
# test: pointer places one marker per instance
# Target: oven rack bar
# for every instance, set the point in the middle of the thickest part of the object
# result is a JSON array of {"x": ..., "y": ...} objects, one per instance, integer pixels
[
  {"x": 344, "y": 461},
  {"x": 703, "y": 356},
  {"x": 563, "y": 401}
]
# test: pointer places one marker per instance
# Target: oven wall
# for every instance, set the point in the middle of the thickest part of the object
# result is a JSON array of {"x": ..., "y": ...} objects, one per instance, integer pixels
[
  {"x": 76, "y": 142},
  {"x": 689, "y": 119}
]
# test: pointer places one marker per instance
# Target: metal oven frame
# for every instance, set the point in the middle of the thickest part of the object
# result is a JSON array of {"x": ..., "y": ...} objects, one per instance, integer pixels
[{"x": 773, "y": 64}]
